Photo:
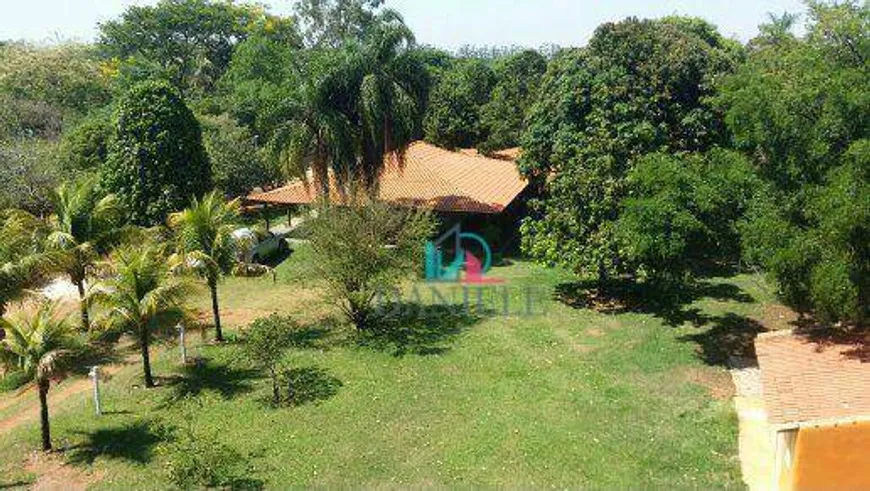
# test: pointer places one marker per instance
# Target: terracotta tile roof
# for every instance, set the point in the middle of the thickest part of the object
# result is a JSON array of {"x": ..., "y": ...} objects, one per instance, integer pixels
[
  {"x": 432, "y": 178},
  {"x": 807, "y": 381}
]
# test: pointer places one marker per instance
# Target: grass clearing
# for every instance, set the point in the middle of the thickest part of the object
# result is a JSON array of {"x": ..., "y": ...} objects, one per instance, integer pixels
[{"x": 569, "y": 398}]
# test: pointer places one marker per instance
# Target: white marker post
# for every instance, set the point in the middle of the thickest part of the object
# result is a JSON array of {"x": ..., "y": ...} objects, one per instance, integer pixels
[
  {"x": 95, "y": 376},
  {"x": 182, "y": 343}
]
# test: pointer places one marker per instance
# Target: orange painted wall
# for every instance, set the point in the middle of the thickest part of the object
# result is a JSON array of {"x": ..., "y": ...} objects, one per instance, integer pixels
[{"x": 833, "y": 457}]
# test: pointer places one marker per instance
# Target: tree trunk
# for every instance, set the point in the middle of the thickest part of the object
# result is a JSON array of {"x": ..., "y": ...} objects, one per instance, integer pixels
[
  {"x": 86, "y": 320},
  {"x": 276, "y": 394},
  {"x": 146, "y": 357},
  {"x": 219, "y": 335},
  {"x": 43, "y": 386}
]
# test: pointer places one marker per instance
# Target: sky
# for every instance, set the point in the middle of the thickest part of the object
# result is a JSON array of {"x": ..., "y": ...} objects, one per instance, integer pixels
[{"x": 444, "y": 23}]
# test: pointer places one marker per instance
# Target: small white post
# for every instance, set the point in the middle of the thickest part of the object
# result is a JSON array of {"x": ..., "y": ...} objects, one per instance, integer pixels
[
  {"x": 95, "y": 376},
  {"x": 182, "y": 344}
]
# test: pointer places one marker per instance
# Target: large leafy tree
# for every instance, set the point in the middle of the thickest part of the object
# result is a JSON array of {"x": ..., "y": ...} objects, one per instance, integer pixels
[
  {"x": 330, "y": 23},
  {"x": 141, "y": 298},
  {"x": 638, "y": 87},
  {"x": 156, "y": 160},
  {"x": 503, "y": 116},
  {"x": 237, "y": 162},
  {"x": 454, "y": 112},
  {"x": 83, "y": 227},
  {"x": 799, "y": 108},
  {"x": 681, "y": 212},
  {"x": 40, "y": 345},
  {"x": 190, "y": 42},
  {"x": 205, "y": 242}
]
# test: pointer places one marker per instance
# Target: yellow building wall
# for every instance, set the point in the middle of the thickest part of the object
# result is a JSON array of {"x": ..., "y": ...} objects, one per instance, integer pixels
[{"x": 831, "y": 457}]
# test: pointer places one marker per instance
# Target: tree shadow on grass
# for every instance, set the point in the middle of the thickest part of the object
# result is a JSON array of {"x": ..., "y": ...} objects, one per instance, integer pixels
[
  {"x": 720, "y": 337},
  {"x": 133, "y": 442},
  {"x": 624, "y": 295},
  {"x": 309, "y": 385},
  {"x": 205, "y": 375},
  {"x": 729, "y": 336},
  {"x": 411, "y": 328}
]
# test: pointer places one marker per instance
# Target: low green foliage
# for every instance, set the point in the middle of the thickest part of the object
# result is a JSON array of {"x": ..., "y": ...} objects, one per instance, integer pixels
[
  {"x": 195, "y": 458},
  {"x": 266, "y": 342},
  {"x": 364, "y": 250}
]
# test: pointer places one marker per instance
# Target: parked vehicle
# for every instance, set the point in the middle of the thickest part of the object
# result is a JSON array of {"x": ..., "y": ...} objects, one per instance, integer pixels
[{"x": 257, "y": 247}]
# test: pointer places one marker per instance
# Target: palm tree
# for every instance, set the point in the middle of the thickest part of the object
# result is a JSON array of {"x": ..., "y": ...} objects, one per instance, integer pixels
[
  {"x": 140, "y": 298},
  {"x": 41, "y": 346},
  {"x": 358, "y": 105},
  {"x": 206, "y": 243},
  {"x": 391, "y": 94},
  {"x": 82, "y": 228},
  {"x": 23, "y": 263}
]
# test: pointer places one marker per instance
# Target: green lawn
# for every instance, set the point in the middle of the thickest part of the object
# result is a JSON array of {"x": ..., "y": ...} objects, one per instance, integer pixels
[{"x": 633, "y": 397}]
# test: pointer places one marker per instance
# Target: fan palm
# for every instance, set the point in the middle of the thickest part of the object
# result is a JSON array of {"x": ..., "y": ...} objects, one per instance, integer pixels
[
  {"x": 39, "y": 345},
  {"x": 141, "y": 298},
  {"x": 83, "y": 227},
  {"x": 206, "y": 244}
]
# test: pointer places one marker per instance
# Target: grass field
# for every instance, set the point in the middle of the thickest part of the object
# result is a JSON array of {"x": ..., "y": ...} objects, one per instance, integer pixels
[{"x": 619, "y": 396}]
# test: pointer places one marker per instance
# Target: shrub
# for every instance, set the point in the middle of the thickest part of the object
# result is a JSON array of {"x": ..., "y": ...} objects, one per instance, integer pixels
[
  {"x": 366, "y": 249},
  {"x": 265, "y": 342},
  {"x": 201, "y": 460}
]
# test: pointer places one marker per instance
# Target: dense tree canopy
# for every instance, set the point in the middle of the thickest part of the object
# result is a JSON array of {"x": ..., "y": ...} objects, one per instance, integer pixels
[
  {"x": 156, "y": 161},
  {"x": 503, "y": 115},
  {"x": 453, "y": 117},
  {"x": 800, "y": 108},
  {"x": 638, "y": 87},
  {"x": 190, "y": 42}
]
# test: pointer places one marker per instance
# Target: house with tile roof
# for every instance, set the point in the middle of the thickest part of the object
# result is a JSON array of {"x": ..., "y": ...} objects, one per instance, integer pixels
[
  {"x": 816, "y": 393},
  {"x": 462, "y": 186}
]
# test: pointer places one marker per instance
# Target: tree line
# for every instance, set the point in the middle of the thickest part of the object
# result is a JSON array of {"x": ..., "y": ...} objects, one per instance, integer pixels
[{"x": 659, "y": 148}]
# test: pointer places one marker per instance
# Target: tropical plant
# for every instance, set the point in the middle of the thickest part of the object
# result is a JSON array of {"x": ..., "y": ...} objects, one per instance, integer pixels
[
  {"x": 365, "y": 250},
  {"x": 40, "y": 345},
  {"x": 359, "y": 104},
  {"x": 205, "y": 242},
  {"x": 23, "y": 263},
  {"x": 83, "y": 227},
  {"x": 141, "y": 298},
  {"x": 156, "y": 161}
]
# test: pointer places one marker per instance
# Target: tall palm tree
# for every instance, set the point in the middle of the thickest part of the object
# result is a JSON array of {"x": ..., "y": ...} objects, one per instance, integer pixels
[
  {"x": 358, "y": 105},
  {"x": 206, "y": 244},
  {"x": 40, "y": 345},
  {"x": 141, "y": 298},
  {"x": 391, "y": 94},
  {"x": 83, "y": 227}
]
